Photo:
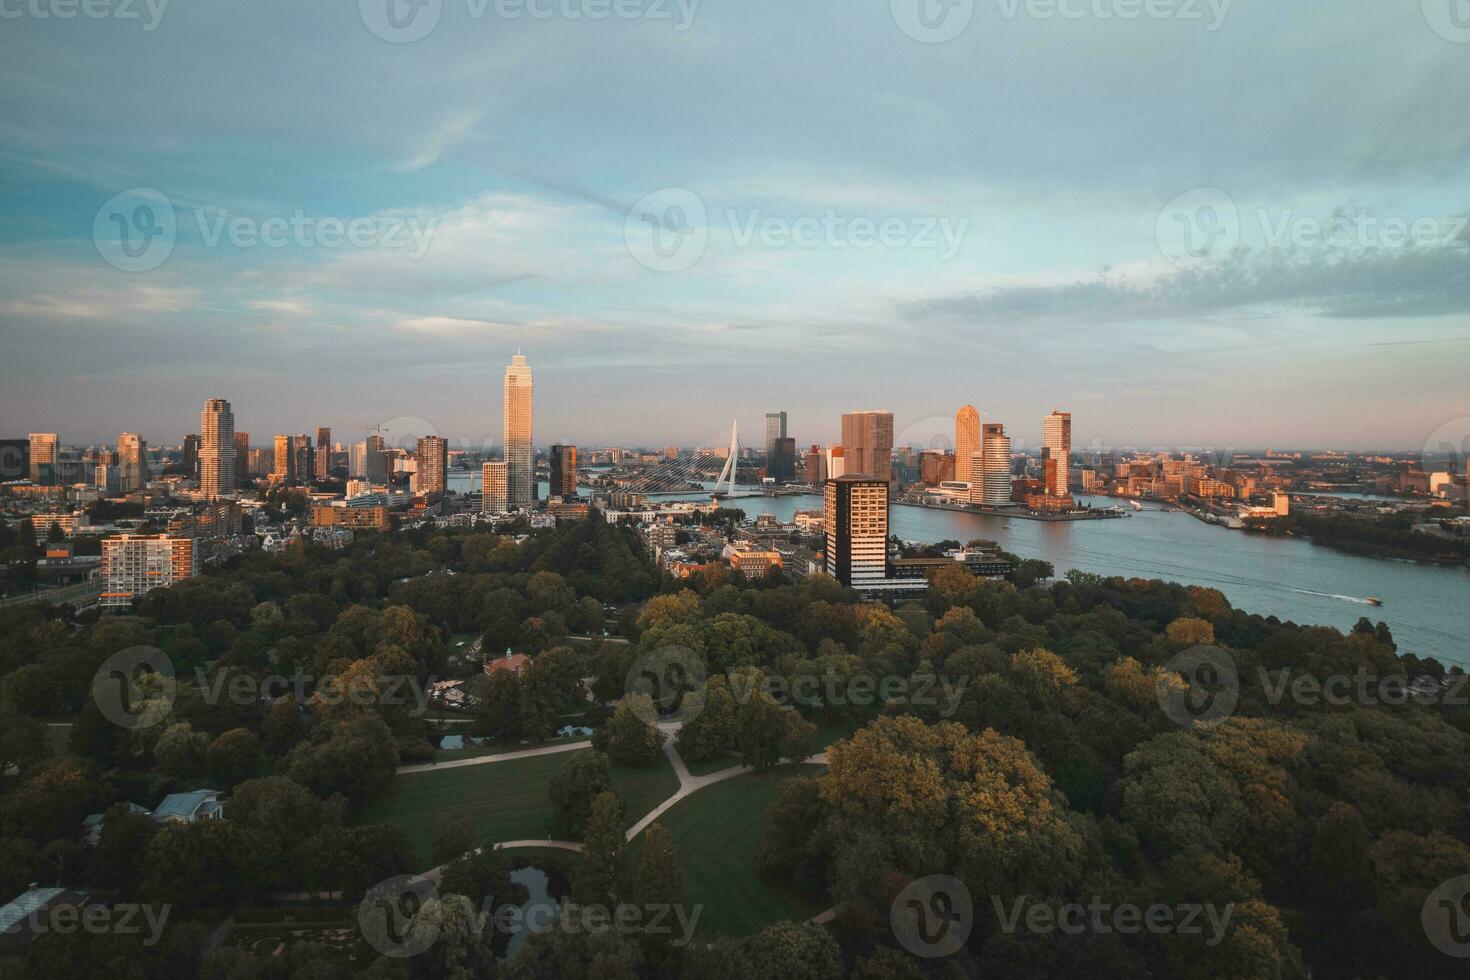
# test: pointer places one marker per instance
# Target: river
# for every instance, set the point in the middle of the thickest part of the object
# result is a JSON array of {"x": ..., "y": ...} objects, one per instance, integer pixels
[{"x": 1424, "y": 605}]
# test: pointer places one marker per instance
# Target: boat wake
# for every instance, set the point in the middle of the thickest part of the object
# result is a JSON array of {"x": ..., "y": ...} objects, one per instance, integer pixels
[{"x": 1329, "y": 595}]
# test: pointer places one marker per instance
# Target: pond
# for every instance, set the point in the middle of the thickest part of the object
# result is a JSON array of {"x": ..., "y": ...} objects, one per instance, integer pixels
[{"x": 543, "y": 887}]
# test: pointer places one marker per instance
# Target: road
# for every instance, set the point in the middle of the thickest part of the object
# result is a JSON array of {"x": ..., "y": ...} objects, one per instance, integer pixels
[{"x": 485, "y": 760}]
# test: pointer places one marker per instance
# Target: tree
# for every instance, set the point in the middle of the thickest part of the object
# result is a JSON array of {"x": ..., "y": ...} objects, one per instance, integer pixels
[
  {"x": 583, "y": 777},
  {"x": 761, "y": 729},
  {"x": 601, "y": 868},
  {"x": 712, "y": 732},
  {"x": 355, "y": 757},
  {"x": 181, "y": 751},
  {"x": 659, "y": 880},
  {"x": 497, "y": 715},
  {"x": 282, "y": 726},
  {"x": 234, "y": 756},
  {"x": 627, "y": 739},
  {"x": 453, "y": 838}
]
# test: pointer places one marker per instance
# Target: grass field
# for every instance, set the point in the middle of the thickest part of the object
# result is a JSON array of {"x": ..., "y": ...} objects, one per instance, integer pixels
[
  {"x": 506, "y": 800},
  {"x": 717, "y": 831}
]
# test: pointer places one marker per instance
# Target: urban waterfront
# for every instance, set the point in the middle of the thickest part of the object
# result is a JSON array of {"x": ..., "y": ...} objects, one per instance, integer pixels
[{"x": 1292, "y": 579}]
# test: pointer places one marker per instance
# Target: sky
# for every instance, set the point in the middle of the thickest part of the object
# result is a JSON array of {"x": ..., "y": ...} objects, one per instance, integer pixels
[{"x": 1191, "y": 223}]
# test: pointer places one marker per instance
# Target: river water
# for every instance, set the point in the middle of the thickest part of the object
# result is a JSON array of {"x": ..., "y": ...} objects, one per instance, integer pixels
[{"x": 1426, "y": 606}]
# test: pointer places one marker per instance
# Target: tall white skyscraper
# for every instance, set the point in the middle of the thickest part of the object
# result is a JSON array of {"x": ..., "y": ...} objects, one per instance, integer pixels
[
  {"x": 1056, "y": 453},
  {"x": 991, "y": 485},
  {"x": 520, "y": 460},
  {"x": 217, "y": 449}
]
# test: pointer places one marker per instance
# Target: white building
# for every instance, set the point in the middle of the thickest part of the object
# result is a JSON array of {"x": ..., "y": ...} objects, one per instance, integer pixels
[{"x": 135, "y": 564}]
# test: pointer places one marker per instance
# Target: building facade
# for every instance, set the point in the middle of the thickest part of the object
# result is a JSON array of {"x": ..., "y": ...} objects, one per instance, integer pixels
[
  {"x": 136, "y": 564},
  {"x": 219, "y": 449},
  {"x": 966, "y": 442},
  {"x": 563, "y": 471},
  {"x": 45, "y": 458},
  {"x": 323, "y": 453},
  {"x": 432, "y": 475},
  {"x": 519, "y": 457},
  {"x": 494, "y": 488},
  {"x": 132, "y": 462},
  {"x": 856, "y": 517},
  {"x": 1056, "y": 453},
  {"x": 992, "y": 467},
  {"x": 867, "y": 439}
]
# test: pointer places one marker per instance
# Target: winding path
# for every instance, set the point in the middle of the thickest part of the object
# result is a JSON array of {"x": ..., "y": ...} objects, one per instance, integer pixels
[{"x": 485, "y": 760}]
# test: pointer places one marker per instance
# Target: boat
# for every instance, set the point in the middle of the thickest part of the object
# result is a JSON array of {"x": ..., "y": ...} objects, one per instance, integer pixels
[
  {"x": 1136, "y": 505},
  {"x": 1373, "y": 601}
]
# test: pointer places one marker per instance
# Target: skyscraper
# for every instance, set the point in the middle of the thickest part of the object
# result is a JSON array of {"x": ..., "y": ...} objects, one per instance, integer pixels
[
  {"x": 323, "y": 452},
  {"x": 1056, "y": 453},
  {"x": 305, "y": 458},
  {"x": 220, "y": 450},
  {"x": 867, "y": 438},
  {"x": 520, "y": 461},
  {"x": 966, "y": 440},
  {"x": 563, "y": 471},
  {"x": 132, "y": 461},
  {"x": 775, "y": 432},
  {"x": 285, "y": 470},
  {"x": 191, "y": 457},
  {"x": 856, "y": 515},
  {"x": 432, "y": 454},
  {"x": 45, "y": 458},
  {"x": 242, "y": 456},
  {"x": 992, "y": 467},
  {"x": 493, "y": 488}
]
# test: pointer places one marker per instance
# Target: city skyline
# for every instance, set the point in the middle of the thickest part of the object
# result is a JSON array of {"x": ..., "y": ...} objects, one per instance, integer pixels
[{"x": 1060, "y": 281}]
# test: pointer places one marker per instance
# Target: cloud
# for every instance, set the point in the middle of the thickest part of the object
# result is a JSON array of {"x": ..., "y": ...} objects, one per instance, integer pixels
[{"x": 1344, "y": 283}]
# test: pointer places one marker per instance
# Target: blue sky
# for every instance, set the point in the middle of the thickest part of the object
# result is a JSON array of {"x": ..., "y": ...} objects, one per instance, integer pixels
[{"x": 1057, "y": 149}]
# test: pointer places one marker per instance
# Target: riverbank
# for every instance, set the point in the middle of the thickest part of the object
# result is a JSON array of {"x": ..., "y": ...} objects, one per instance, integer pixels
[{"x": 1020, "y": 513}]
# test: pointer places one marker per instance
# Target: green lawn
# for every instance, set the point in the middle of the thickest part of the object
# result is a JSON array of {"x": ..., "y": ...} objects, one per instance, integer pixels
[
  {"x": 506, "y": 800},
  {"x": 717, "y": 831}
]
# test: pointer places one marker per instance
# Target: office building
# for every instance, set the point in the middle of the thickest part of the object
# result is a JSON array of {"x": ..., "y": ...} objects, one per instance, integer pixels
[
  {"x": 368, "y": 518},
  {"x": 134, "y": 564},
  {"x": 305, "y": 465},
  {"x": 563, "y": 471},
  {"x": 835, "y": 462},
  {"x": 519, "y": 458},
  {"x": 323, "y": 453},
  {"x": 45, "y": 458},
  {"x": 1056, "y": 453},
  {"x": 15, "y": 459},
  {"x": 222, "y": 450},
  {"x": 867, "y": 438},
  {"x": 856, "y": 517},
  {"x": 494, "y": 493},
  {"x": 242, "y": 456},
  {"x": 781, "y": 464},
  {"x": 285, "y": 468},
  {"x": 775, "y": 432},
  {"x": 814, "y": 467},
  {"x": 190, "y": 460},
  {"x": 966, "y": 441},
  {"x": 991, "y": 467},
  {"x": 432, "y": 473},
  {"x": 132, "y": 461}
]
